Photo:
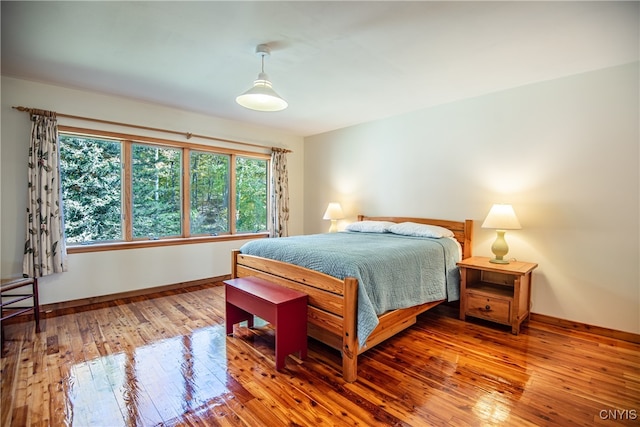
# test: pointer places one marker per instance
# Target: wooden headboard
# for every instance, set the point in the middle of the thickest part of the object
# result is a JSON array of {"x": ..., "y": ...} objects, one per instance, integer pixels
[{"x": 462, "y": 230}]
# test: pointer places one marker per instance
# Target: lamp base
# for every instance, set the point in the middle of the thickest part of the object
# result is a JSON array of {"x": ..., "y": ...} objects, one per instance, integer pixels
[{"x": 499, "y": 248}]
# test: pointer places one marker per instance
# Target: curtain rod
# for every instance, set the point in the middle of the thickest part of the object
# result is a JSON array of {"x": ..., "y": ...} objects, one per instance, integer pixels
[{"x": 187, "y": 135}]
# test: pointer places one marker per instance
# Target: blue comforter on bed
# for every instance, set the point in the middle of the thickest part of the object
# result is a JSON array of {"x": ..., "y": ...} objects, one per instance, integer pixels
[{"x": 393, "y": 271}]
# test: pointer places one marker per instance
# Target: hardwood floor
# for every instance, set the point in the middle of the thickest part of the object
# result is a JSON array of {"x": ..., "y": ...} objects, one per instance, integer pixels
[{"x": 165, "y": 360}]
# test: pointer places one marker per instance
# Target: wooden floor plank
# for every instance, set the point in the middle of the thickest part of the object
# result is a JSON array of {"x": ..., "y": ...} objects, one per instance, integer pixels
[{"x": 165, "y": 359}]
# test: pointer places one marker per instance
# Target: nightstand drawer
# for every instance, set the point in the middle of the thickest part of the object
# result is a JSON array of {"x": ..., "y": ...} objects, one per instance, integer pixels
[{"x": 495, "y": 309}]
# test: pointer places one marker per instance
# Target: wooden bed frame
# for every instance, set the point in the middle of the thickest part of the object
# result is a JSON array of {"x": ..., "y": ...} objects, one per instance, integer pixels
[{"x": 332, "y": 310}]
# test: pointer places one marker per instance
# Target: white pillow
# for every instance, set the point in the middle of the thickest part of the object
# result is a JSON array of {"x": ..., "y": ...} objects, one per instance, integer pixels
[
  {"x": 370, "y": 226},
  {"x": 420, "y": 230}
]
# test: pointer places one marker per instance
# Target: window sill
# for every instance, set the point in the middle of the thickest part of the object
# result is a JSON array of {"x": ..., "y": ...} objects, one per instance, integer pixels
[{"x": 138, "y": 244}]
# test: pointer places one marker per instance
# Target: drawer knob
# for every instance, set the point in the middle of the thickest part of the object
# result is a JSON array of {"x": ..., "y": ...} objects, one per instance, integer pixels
[{"x": 487, "y": 307}]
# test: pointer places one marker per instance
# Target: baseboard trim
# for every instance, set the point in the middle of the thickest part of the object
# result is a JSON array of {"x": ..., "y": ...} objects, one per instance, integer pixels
[
  {"x": 55, "y": 309},
  {"x": 583, "y": 327}
]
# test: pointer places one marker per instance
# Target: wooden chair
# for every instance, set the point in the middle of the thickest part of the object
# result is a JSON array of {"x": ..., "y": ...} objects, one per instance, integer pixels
[{"x": 27, "y": 289}]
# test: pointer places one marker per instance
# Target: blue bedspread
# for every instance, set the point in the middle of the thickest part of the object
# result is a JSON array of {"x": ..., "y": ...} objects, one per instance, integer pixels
[{"x": 393, "y": 271}]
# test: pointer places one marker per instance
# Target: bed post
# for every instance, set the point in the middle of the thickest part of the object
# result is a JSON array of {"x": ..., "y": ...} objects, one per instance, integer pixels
[
  {"x": 234, "y": 263},
  {"x": 349, "y": 335},
  {"x": 468, "y": 235}
]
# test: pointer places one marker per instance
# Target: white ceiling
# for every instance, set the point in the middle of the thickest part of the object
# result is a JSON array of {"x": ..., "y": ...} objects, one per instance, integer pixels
[{"x": 336, "y": 63}]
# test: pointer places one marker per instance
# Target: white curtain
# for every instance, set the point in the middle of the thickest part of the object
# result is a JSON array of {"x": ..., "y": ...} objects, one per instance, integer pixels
[
  {"x": 44, "y": 250},
  {"x": 279, "y": 194}
]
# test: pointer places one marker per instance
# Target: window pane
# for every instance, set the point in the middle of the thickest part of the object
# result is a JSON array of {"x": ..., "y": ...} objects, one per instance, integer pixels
[
  {"x": 156, "y": 191},
  {"x": 91, "y": 188},
  {"x": 209, "y": 193},
  {"x": 251, "y": 195}
]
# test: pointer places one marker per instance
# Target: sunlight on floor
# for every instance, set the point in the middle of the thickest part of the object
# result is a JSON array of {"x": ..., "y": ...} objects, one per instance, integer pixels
[
  {"x": 185, "y": 372},
  {"x": 490, "y": 408}
]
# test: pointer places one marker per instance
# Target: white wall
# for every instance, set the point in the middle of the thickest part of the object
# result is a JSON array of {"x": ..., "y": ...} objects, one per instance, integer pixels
[
  {"x": 102, "y": 273},
  {"x": 563, "y": 152}
]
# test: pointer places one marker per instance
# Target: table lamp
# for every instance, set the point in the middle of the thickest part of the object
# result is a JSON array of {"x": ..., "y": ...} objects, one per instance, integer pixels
[
  {"x": 334, "y": 213},
  {"x": 502, "y": 218}
]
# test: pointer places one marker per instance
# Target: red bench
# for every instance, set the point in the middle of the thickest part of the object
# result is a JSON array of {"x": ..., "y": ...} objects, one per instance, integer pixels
[{"x": 284, "y": 308}]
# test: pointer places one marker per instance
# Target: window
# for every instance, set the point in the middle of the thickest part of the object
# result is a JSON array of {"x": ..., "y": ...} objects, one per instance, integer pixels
[
  {"x": 251, "y": 195},
  {"x": 91, "y": 175},
  {"x": 117, "y": 189},
  {"x": 209, "y": 193},
  {"x": 156, "y": 193}
]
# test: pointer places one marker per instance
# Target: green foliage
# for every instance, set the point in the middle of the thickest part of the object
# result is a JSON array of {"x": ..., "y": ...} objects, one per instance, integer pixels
[
  {"x": 156, "y": 191},
  {"x": 251, "y": 195},
  {"x": 91, "y": 188},
  {"x": 209, "y": 193},
  {"x": 92, "y": 183}
]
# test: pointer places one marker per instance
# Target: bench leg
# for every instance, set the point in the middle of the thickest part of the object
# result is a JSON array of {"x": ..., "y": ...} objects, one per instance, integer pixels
[
  {"x": 280, "y": 357},
  {"x": 287, "y": 344},
  {"x": 236, "y": 315},
  {"x": 291, "y": 333}
]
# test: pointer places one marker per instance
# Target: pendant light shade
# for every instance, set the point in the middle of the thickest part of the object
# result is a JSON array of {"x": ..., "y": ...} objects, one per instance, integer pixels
[{"x": 262, "y": 97}]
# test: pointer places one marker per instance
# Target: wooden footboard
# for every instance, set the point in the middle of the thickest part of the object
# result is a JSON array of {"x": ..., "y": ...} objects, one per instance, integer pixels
[{"x": 333, "y": 303}]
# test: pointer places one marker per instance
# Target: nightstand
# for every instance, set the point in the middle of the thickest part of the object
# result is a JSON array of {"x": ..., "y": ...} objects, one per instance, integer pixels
[{"x": 499, "y": 293}]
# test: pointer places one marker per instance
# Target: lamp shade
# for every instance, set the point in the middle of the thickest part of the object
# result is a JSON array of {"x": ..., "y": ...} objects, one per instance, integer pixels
[
  {"x": 261, "y": 96},
  {"x": 333, "y": 212},
  {"x": 501, "y": 217}
]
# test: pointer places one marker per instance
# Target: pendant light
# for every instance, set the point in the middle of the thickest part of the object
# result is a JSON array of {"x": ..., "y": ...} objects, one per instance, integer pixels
[{"x": 262, "y": 97}]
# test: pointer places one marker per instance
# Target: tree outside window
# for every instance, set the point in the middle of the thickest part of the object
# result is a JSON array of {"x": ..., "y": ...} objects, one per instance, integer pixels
[
  {"x": 102, "y": 186},
  {"x": 156, "y": 191},
  {"x": 91, "y": 177},
  {"x": 209, "y": 193},
  {"x": 251, "y": 195}
]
